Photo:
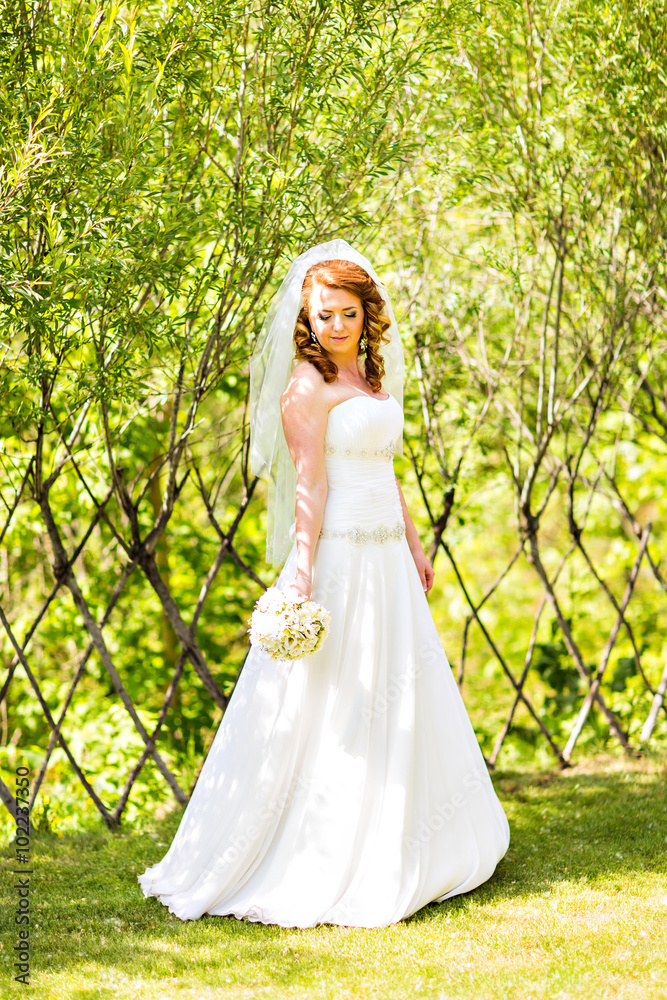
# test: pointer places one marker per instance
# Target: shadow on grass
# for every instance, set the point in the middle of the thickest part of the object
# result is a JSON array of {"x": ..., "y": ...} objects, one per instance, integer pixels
[
  {"x": 598, "y": 826},
  {"x": 575, "y": 825}
]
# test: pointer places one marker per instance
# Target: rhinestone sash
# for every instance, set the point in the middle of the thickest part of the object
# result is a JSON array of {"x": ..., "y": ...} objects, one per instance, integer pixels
[
  {"x": 362, "y": 536},
  {"x": 387, "y": 452}
]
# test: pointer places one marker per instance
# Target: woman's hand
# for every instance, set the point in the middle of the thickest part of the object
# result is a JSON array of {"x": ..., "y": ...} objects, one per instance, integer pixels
[
  {"x": 424, "y": 568},
  {"x": 301, "y": 588}
]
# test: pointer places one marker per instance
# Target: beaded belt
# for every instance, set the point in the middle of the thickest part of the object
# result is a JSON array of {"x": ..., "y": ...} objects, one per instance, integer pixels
[
  {"x": 387, "y": 452},
  {"x": 362, "y": 536}
]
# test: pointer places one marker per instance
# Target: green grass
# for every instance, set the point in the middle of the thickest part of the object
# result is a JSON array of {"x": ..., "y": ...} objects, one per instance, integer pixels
[{"x": 578, "y": 908}]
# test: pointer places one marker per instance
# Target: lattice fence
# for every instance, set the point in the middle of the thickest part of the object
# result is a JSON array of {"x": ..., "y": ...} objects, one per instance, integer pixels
[
  {"x": 136, "y": 544},
  {"x": 121, "y": 509}
]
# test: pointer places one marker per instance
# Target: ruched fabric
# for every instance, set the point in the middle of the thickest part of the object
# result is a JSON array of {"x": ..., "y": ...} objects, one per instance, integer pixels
[
  {"x": 347, "y": 787},
  {"x": 362, "y": 491}
]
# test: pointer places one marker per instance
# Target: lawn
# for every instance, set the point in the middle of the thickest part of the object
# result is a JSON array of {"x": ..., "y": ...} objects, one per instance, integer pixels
[{"x": 578, "y": 908}]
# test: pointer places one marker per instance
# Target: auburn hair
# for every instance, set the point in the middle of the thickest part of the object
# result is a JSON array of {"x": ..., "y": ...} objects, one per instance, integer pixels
[{"x": 354, "y": 279}]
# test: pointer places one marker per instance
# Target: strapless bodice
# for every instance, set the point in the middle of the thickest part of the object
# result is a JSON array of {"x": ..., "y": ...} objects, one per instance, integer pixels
[{"x": 362, "y": 503}]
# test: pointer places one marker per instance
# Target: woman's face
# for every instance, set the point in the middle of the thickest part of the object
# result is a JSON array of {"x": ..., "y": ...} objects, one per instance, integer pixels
[{"x": 337, "y": 319}]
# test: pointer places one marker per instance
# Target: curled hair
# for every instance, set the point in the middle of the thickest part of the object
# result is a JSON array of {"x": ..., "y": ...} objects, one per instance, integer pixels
[{"x": 354, "y": 279}]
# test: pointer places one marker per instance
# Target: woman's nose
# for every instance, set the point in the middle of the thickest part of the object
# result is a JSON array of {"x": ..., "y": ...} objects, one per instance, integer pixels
[{"x": 338, "y": 323}]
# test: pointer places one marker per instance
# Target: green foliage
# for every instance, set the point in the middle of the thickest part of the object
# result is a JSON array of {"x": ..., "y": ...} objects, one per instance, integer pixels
[
  {"x": 159, "y": 165},
  {"x": 554, "y": 666},
  {"x": 625, "y": 669}
]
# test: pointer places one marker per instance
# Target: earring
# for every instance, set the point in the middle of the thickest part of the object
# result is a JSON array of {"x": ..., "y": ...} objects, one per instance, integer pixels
[
  {"x": 314, "y": 339},
  {"x": 363, "y": 343}
]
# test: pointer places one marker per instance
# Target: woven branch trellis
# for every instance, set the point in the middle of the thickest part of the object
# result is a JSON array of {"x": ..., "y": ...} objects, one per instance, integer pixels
[
  {"x": 139, "y": 552},
  {"x": 508, "y": 174},
  {"x": 570, "y": 383},
  {"x": 117, "y": 508}
]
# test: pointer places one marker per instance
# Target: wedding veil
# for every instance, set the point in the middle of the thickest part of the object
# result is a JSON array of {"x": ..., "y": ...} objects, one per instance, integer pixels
[{"x": 271, "y": 365}]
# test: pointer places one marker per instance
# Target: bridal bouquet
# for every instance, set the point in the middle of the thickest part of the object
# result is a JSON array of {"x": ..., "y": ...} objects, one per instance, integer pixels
[{"x": 288, "y": 629}]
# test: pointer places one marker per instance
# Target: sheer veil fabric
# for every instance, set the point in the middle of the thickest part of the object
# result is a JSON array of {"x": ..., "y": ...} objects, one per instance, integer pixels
[
  {"x": 270, "y": 368},
  {"x": 347, "y": 787}
]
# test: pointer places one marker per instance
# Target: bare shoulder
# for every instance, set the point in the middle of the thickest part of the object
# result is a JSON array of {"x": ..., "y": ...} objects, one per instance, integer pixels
[{"x": 306, "y": 390}]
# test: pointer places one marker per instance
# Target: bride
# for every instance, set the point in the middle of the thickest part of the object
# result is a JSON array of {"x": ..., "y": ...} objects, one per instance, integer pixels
[{"x": 346, "y": 787}]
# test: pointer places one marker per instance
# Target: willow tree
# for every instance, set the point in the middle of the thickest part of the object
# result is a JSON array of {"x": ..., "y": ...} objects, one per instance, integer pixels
[
  {"x": 504, "y": 164},
  {"x": 159, "y": 163},
  {"x": 534, "y": 283}
]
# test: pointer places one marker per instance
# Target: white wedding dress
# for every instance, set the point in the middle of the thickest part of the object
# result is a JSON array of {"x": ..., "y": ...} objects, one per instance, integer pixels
[{"x": 347, "y": 787}]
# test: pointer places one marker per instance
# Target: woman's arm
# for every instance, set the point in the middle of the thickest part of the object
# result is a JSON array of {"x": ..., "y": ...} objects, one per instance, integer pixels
[
  {"x": 304, "y": 415},
  {"x": 424, "y": 567}
]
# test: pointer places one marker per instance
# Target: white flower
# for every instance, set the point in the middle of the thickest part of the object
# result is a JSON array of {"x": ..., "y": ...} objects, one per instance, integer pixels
[{"x": 288, "y": 629}]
